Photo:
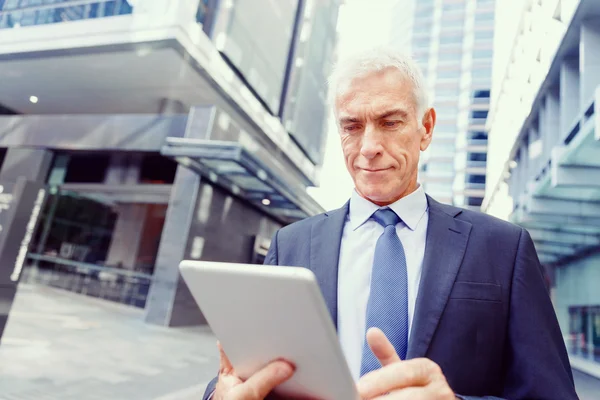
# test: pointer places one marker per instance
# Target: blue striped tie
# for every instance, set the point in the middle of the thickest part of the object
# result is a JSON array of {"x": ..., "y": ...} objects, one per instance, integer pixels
[{"x": 387, "y": 308}]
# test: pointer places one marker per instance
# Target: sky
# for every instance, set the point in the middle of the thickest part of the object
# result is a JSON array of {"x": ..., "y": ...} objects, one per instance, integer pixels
[{"x": 361, "y": 24}]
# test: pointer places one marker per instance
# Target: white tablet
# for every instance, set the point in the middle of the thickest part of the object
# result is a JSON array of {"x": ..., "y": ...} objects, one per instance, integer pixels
[{"x": 263, "y": 313}]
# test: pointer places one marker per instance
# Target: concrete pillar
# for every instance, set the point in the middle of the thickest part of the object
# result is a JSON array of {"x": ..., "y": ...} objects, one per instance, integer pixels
[
  {"x": 160, "y": 304},
  {"x": 569, "y": 95},
  {"x": 514, "y": 183},
  {"x": 127, "y": 235},
  {"x": 203, "y": 222},
  {"x": 589, "y": 60},
  {"x": 534, "y": 151},
  {"x": 524, "y": 166},
  {"x": 552, "y": 125},
  {"x": 590, "y": 334},
  {"x": 21, "y": 204}
]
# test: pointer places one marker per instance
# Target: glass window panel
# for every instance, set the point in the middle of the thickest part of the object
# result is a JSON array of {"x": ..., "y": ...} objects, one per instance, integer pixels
[
  {"x": 486, "y": 35},
  {"x": 422, "y": 29},
  {"x": 456, "y": 6},
  {"x": 98, "y": 244},
  {"x": 449, "y": 74},
  {"x": 479, "y": 54},
  {"x": 452, "y": 39},
  {"x": 450, "y": 57}
]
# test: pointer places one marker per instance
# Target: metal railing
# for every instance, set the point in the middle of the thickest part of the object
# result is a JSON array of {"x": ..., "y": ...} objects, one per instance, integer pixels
[{"x": 105, "y": 282}]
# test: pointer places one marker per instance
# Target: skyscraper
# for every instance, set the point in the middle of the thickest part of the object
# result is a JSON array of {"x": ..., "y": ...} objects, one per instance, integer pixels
[{"x": 452, "y": 41}]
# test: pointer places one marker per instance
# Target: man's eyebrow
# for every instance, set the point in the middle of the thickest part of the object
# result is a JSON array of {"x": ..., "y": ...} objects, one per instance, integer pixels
[
  {"x": 397, "y": 111},
  {"x": 348, "y": 120}
]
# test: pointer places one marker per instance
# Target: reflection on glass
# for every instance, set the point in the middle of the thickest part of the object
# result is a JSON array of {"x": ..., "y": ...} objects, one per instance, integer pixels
[
  {"x": 95, "y": 244},
  {"x": 33, "y": 12}
]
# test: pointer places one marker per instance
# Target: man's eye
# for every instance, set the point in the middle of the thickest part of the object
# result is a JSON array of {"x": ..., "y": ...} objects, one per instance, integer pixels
[
  {"x": 350, "y": 128},
  {"x": 390, "y": 124}
]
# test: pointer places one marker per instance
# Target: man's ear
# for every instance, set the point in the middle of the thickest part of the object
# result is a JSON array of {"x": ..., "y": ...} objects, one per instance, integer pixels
[{"x": 428, "y": 125}]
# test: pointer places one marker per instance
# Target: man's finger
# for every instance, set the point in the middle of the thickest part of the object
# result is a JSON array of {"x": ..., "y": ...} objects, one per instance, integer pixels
[
  {"x": 225, "y": 366},
  {"x": 259, "y": 385},
  {"x": 411, "y": 373},
  {"x": 381, "y": 347}
]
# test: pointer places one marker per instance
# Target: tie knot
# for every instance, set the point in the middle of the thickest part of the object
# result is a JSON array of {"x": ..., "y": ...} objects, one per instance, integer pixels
[{"x": 386, "y": 217}]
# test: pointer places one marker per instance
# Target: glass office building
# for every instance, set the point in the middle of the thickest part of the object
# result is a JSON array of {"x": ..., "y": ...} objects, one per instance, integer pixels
[
  {"x": 452, "y": 42},
  {"x": 163, "y": 130},
  {"x": 549, "y": 152}
]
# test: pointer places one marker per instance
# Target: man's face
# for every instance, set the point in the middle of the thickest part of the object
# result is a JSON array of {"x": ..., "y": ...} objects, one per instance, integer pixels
[{"x": 382, "y": 134}]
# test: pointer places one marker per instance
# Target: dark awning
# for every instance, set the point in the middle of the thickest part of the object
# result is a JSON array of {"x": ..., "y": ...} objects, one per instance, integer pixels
[{"x": 241, "y": 171}]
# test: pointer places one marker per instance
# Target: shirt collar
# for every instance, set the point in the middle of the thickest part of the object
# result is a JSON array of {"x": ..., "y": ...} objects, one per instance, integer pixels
[{"x": 409, "y": 208}]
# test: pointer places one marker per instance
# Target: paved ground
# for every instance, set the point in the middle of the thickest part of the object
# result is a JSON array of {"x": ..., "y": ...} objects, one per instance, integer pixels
[
  {"x": 59, "y": 345},
  {"x": 587, "y": 386}
]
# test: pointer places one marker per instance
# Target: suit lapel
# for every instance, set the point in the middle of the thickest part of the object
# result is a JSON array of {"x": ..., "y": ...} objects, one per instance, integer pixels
[
  {"x": 445, "y": 246},
  {"x": 326, "y": 238}
]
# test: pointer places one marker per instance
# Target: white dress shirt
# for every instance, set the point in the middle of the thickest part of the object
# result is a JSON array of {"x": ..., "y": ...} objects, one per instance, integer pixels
[{"x": 356, "y": 261}]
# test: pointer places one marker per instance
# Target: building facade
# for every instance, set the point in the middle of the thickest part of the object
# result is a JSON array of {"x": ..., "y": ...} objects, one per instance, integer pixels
[
  {"x": 163, "y": 130},
  {"x": 452, "y": 42},
  {"x": 548, "y": 154}
]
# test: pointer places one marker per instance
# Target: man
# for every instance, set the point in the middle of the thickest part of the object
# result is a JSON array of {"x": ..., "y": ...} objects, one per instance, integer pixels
[{"x": 429, "y": 300}]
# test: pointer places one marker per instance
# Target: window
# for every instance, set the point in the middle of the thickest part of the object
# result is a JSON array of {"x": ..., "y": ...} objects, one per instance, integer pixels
[
  {"x": 479, "y": 114},
  {"x": 584, "y": 331},
  {"x": 481, "y": 73},
  {"x": 422, "y": 29},
  {"x": 481, "y": 36},
  {"x": 440, "y": 169},
  {"x": 476, "y": 179},
  {"x": 452, "y": 22},
  {"x": 441, "y": 150},
  {"x": 457, "y": 6},
  {"x": 157, "y": 169},
  {"x": 484, "y": 17},
  {"x": 449, "y": 74},
  {"x": 446, "y": 125},
  {"x": 477, "y": 135},
  {"x": 446, "y": 112},
  {"x": 450, "y": 57},
  {"x": 87, "y": 168},
  {"x": 478, "y": 94},
  {"x": 447, "y": 92},
  {"x": 424, "y": 10},
  {"x": 422, "y": 42},
  {"x": 83, "y": 235},
  {"x": 479, "y": 54},
  {"x": 474, "y": 201},
  {"x": 477, "y": 156},
  {"x": 454, "y": 39}
]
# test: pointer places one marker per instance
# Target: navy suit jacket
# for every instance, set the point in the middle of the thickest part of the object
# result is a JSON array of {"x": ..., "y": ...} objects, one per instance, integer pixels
[{"x": 483, "y": 312}]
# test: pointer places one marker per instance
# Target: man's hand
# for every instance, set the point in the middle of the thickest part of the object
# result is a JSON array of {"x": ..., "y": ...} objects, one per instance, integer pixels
[
  {"x": 257, "y": 387},
  {"x": 418, "y": 379}
]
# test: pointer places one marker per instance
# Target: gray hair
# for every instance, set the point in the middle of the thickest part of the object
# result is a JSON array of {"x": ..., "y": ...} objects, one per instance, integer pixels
[{"x": 375, "y": 60}]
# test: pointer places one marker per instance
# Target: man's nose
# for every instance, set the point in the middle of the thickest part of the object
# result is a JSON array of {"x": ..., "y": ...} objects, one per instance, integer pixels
[{"x": 371, "y": 143}]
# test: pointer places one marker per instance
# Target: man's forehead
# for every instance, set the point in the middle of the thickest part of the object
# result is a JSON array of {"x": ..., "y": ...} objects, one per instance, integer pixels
[{"x": 362, "y": 93}]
